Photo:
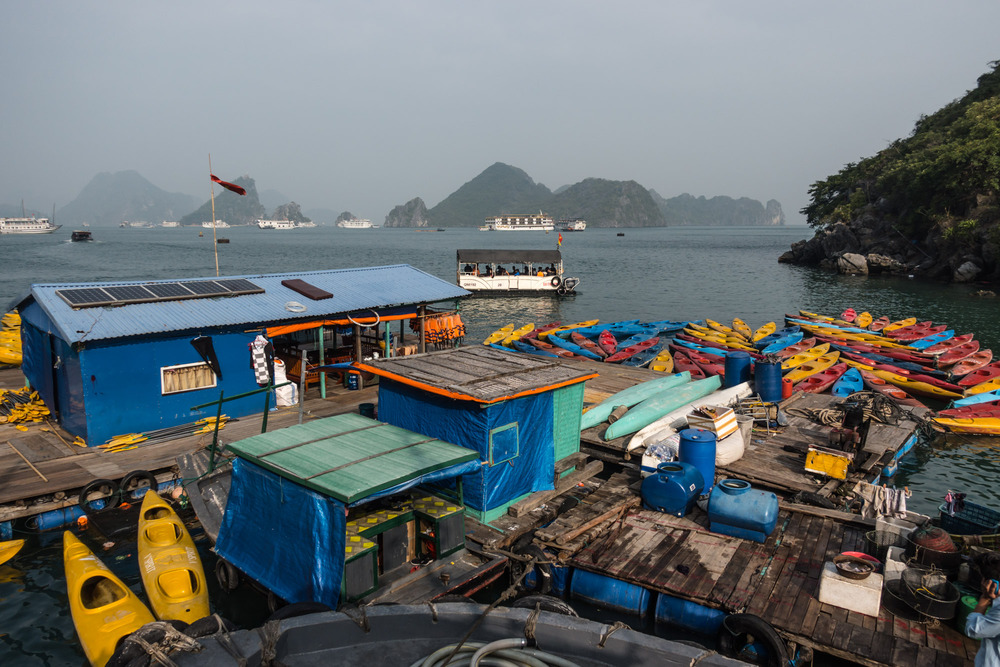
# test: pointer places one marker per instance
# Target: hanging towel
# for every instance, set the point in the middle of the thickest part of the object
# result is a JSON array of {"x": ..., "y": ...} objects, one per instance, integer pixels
[{"x": 260, "y": 350}]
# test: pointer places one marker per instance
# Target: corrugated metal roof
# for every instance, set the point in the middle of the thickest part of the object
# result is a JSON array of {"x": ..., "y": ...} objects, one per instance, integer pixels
[
  {"x": 349, "y": 457},
  {"x": 355, "y": 291},
  {"x": 479, "y": 373},
  {"x": 476, "y": 255}
]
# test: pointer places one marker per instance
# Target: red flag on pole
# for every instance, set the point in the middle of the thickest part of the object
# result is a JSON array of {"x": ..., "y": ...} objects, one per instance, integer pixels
[
  {"x": 229, "y": 186},
  {"x": 559, "y": 242}
]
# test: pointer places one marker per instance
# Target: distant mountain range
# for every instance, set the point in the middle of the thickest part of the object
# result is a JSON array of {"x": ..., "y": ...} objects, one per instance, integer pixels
[{"x": 110, "y": 199}]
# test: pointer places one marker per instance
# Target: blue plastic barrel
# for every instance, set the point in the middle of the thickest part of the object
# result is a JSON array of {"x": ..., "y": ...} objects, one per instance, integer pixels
[
  {"x": 737, "y": 368},
  {"x": 608, "y": 593},
  {"x": 352, "y": 380},
  {"x": 767, "y": 381},
  {"x": 6, "y": 530},
  {"x": 560, "y": 579},
  {"x": 688, "y": 615},
  {"x": 673, "y": 488},
  {"x": 58, "y": 518},
  {"x": 737, "y": 510},
  {"x": 697, "y": 447}
]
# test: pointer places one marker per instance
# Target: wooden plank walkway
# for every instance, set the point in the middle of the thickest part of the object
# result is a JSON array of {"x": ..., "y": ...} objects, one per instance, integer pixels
[{"x": 68, "y": 468}]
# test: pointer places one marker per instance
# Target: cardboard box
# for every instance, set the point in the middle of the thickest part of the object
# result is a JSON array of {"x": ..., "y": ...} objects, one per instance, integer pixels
[{"x": 722, "y": 424}]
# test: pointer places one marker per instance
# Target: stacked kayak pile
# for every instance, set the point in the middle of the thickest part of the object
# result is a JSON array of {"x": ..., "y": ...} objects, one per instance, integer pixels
[{"x": 10, "y": 339}]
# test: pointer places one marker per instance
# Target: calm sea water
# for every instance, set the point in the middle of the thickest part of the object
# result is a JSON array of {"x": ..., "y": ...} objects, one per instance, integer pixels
[{"x": 649, "y": 274}]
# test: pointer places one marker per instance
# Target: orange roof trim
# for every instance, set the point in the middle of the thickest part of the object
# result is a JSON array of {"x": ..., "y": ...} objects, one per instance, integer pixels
[{"x": 302, "y": 326}]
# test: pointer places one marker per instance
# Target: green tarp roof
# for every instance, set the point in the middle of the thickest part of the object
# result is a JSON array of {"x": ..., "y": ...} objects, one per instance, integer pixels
[{"x": 349, "y": 457}]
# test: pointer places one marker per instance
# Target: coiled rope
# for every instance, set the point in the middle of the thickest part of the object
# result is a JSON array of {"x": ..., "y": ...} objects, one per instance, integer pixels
[{"x": 875, "y": 406}]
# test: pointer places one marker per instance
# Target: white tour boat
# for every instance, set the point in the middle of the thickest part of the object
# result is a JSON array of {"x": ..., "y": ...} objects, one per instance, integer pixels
[
  {"x": 27, "y": 226},
  {"x": 539, "y": 222},
  {"x": 514, "y": 272},
  {"x": 276, "y": 224},
  {"x": 571, "y": 225},
  {"x": 355, "y": 223},
  {"x": 219, "y": 224}
]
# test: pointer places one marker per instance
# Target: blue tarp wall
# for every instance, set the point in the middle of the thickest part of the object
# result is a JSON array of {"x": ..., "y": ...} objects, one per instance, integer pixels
[
  {"x": 518, "y": 433},
  {"x": 110, "y": 387},
  {"x": 286, "y": 537}
]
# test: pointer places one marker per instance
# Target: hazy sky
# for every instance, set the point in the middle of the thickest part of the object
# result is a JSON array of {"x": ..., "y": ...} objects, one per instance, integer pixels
[{"x": 361, "y": 106}]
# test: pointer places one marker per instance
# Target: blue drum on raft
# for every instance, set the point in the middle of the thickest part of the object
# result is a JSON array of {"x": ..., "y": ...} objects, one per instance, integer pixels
[
  {"x": 737, "y": 510},
  {"x": 697, "y": 447},
  {"x": 673, "y": 488}
]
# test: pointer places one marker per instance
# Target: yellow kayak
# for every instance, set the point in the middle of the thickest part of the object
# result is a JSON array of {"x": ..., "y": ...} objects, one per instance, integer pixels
[
  {"x": 864, "y": 320},
  {"x": 10, "y": 355},
  {"x": 663, "y": 362},
  {"x": 909, "y": 321},
  {"x": 567, "y": 327},
  {"x": 169, "y": 564},
  {"x": 732, "y": 341},
  {"x": 816, "y": 316},
  {"x": 742, "y": 328},
  {"x": 821, "y": 363},
  {"x": 718, "y": 326},
  {"x": 517, "y": 334},
  {"x": 989, "y": 385},
  {"x": 765, "y": 330},
  {"x": 10, "y": 320},
  {"x": 972, "y": 426},
  {"x": 103, "y": 608},
  {"x": 811, "y": 354},
  {"x": 915, "y": 386},
  {"x": 499, "y": 334},
  {"x": 9, "y": 549}
]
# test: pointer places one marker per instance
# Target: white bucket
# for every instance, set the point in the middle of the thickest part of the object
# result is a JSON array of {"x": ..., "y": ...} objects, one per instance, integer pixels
[{"x": 283, "y": 396}]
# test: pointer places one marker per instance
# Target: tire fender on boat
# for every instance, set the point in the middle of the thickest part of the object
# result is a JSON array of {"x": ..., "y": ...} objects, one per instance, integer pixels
[
  {"x": 556, "y": 281},
  {"x": 751, "y": 638},
  {"x": 113, "y": 498}
]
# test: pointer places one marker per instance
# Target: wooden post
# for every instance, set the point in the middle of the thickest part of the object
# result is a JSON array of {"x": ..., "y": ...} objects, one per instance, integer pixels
[
  {"x": 357, "y": 351},
  {"x": 422, "y": 317},
  {"x": 302, "y": 386}
]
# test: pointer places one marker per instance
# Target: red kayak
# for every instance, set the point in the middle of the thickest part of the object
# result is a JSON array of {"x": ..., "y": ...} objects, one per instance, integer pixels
[
  {"x": 893, "y": 353},
  {"x": 534, "y": 333},
  {"x": 984, "y": 374},
  {"x": 607, "y": 341},
  {"x": 875, "y": 383},
  {"x": 849, "y": 315},
  {"x": 916, "y": 333},
  {"x": 715, "y": 345},
  {"x": 988, "y": 409},
  {"x": 587, "y": 344},
  {"x": 683, "y": 363},
  {"x": 712, "y": 364},
  {"x": 795, "y": 348},
  {"x": 879, "y": 323},
  {"x": 973, "y": 362},
  {"x": 632, "y": 349},
  {"x": 920, "y": 377},
  {"x": 946, "y": 345},
  {"x": 554, "y": 349},
  {"x": 913, "y": 329},
  {"x": 956, "y": 354},
  {"x": 821, "y": 381}
]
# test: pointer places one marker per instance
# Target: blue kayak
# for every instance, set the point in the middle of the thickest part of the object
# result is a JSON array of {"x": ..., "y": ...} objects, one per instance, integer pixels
[
  {"x": 776, "y": 336},
  {"x": 521, "y": 346},
  {"x": 848, "y": 383},
  {"x": 782, "y": 343},
  {"x": 573, "y": 347},
  {"x": 924, "y": 343}
]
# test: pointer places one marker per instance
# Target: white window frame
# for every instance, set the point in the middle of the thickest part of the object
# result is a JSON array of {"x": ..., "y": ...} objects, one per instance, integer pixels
[{"x": 164, "y": 370}]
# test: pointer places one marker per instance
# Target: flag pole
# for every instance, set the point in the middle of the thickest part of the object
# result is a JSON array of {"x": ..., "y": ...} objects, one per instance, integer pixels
[{"x": 215, "y": 243}]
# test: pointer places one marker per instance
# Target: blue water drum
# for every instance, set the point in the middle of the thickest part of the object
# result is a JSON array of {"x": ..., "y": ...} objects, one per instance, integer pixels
[
  {"x": 6, "y": 530},
  {"x": 58, "y": 518},
  {"x": 560, "y": 579},
  {"x": 737, "y": 368},
  {"x": 352, "y": 380},
  {"x": 608, "y": 593},
  {"x": 737, "y": 510},
  {"x": 673, "y": 488},
  {"x": 767, "y": 381},
  {"x": 688, "y": 615},
  {"x": 697, "y": 447}
]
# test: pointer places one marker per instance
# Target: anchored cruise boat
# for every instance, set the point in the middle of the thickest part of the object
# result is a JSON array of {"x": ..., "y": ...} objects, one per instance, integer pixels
[
  {"x": 571, "y": 225},
  {"x": 518, "y": 223},
  {"x": 276, "y": 224},
  {"x": 355, "y": 223},
  {"x": 27, "y": 226},
  {"x": 514, "y": 272}
]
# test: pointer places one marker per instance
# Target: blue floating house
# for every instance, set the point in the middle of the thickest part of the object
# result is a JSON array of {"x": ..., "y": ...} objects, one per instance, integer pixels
[
  {"x": 520, "y": 412},
  {"x": 128, "y": 357}
]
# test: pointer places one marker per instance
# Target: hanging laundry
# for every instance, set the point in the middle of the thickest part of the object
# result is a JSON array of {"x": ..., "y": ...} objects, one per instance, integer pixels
[{"x": 262, "y": 354}]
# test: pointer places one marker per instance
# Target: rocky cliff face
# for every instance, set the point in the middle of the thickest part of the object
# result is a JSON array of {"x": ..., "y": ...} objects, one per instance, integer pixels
[
  {"x": 290, "y": 211},
  {"x": 958, "y": 251},
  {"x": 411, "y": 214}
]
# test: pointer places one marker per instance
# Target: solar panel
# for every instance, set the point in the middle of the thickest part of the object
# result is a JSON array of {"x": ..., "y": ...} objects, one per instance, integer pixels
[
  {"x": 240, "y": 286},
  {"x": 85, "y": 296},
  {"x": 167, "y": 291},
  {"x": 205, "y": 287},
  {"x": 130, "y": 293}
]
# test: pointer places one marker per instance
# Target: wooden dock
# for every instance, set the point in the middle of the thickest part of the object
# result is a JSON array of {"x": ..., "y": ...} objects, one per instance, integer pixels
[{"x": 68, "y": 469}]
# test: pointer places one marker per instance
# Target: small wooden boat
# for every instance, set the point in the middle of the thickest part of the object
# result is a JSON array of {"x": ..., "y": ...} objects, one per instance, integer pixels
[
  {"x": 169, "y": 563},
  {"x": 984, "y": 387},
  {"x": 945, "y": 345},
  {"x": 822, "y": 380},
  {"x": 517, "y": 334},
  {"x": 9, "y": 549},
  {"x": 877, "y": 384},
  {"x": 975, "y": 361},
  {"x": 957, "y": 353},
  {"x": 980, "y": 375},
  {"x": 809, "y": 368},
  {"x": 879, "y": 323},
  {"x": 628, "y": 397},
  {"x": 765, "y": 330},
  {"x": 797, "y": 348},
  {"x": 629, "y": 350},
  {"x": 742, "y": 328},
  {"x": 607, "y": 341},
  {"x": 848, "y": 383},
  {"x": 849, "y": 315},
  {"x": 664, "y": 362},
  {"x": 499, "y": 334},
  {"x": 103, "y": 608},
  {"x": 971, "y": 426},
  {"x": 899, "y": 324},
  {"x": 811, "y": 354},
  {"x": 683, "y": 364},
  {"x": 587, "y": 344},
  {"x": 863, "y": 320}
]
